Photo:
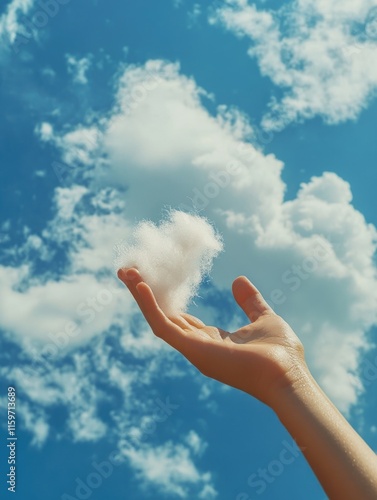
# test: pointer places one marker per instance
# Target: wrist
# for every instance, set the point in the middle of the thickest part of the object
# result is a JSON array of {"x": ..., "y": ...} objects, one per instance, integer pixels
[
  {"x": 296, "y": 386},
  {"x": 343, "y": 463}
]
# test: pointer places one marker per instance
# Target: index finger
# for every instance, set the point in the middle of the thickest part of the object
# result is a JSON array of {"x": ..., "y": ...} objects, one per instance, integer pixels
[{"x": 161, "y": 325}]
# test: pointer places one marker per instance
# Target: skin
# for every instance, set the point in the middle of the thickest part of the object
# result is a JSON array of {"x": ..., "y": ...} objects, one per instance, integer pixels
[{"x": 266, "y": 359}]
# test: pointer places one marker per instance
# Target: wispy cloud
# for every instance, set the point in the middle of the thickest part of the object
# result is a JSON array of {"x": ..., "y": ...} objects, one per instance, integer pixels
[
  {"x": 78, "y": 68},
  {"x": 10, "y": 19}
]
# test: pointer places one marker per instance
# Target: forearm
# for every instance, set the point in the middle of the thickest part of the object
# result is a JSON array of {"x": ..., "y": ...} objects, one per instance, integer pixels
[{"x": 343, "y": 463}]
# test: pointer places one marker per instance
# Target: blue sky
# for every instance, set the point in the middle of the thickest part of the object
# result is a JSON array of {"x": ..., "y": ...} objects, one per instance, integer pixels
[{"x": 113, "y": 111}]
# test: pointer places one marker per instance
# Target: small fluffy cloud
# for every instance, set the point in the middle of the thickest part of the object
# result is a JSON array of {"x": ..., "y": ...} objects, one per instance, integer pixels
[
  {"x": 78, "y": 68},
  {"x": 196, "y": 443},
  {"x": 171, "y": 468},
  {"x": 173, "y": 257},
  {"x": 320, "y": 53},
  {"x": 83, "y": 146}
]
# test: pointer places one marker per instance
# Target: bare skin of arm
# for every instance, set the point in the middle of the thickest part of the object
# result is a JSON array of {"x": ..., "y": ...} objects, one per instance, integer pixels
[{"x": 266, "y": 360}]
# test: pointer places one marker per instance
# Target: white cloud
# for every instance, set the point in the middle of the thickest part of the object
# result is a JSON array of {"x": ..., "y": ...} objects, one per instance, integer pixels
[
  {"x": 23, "y": 21},
  {"x": 168, "y": 136},
  {"x": 9, "y": 20},
  {"x": 45, "y": 131},
  {"x": 196, "y": 443},
  {"x": 35, "y": 421},
  {"x": 40, "y": 173},
  {"x": 49, "y": 73},
  {"x": 67, "y": 199},
  {"x": 65, "y": 311},
  {"x": 78, "y": 68},
  {"x": 194, "y": 15},
  {"x": 208, "y": 492},
  {"x": 85, "y": 426},
  {"x": 79, "y": 146},
  {"x": 4, "y": 230},
  {"x": 143, "y": 344},
  {"x": 320, "y": 53},
  {"x": 170, "y": 467}
]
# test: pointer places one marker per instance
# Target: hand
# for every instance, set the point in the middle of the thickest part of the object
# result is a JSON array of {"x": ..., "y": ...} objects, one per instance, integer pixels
[{"x": 262, "y": 358}]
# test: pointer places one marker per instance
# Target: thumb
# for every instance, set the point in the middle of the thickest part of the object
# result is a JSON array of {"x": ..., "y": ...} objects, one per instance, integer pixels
[{"x": 249, "y": 298}]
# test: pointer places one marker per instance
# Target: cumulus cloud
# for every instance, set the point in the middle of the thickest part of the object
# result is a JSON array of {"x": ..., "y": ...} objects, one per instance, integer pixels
[
  {"x": 173, "y": 257},
  {"x": 321, "y": 54}
]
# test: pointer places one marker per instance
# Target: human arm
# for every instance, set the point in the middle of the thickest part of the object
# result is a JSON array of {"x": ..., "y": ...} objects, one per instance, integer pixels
[{"x": 266, "y": 360}]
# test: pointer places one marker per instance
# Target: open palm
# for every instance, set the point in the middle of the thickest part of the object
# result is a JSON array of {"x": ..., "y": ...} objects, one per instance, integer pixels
[{"x": 259, "y": 358}]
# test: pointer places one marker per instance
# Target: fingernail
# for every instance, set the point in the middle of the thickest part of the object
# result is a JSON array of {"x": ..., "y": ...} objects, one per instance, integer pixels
[
  {"x": 121, "y": 273},
  {"x": 131, "y": 274}
]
